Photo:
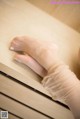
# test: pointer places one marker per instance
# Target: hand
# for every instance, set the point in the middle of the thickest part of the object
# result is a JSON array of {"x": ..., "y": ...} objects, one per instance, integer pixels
[{"x": 40, "y": 56}]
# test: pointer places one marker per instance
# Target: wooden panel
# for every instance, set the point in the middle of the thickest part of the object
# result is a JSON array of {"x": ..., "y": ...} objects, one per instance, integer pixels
[
  {"x": 28, "y": 22},
  {"x": 13, "y": 117},
  {"x": 18, "y": 109},
  {"x": 10, "y": 116},
  {"x": 21, "y": 18},
  {"x": 68, "y": 14},
  {"x": 33, "y": 99}
]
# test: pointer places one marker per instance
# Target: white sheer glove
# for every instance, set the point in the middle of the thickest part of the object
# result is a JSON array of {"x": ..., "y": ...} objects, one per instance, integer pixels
[{"x": 58, "y": 79}]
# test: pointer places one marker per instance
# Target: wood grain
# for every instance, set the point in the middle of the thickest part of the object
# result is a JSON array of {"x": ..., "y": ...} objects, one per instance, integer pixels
[
  {"x": 33, "y": 99},
  {"x": 68, "y": 14},
  {"x": 22, "y": 18},
  {"x": 10, "y": 116},
  {"x": 18, "y": 109},
  {"x": 13, "y": 117}
]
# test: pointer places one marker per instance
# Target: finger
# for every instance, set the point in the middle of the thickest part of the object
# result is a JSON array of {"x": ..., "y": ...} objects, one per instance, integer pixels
[
  {"x": 43, "y": 53},
  {"x": 31, "y": 63}
]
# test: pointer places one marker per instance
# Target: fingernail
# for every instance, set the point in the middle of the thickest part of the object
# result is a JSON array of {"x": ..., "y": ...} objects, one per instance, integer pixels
[{"x": 11, "y": 48}]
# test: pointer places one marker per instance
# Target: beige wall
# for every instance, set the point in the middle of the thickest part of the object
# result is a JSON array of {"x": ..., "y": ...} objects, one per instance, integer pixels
[{"x": 69, "y": 14}]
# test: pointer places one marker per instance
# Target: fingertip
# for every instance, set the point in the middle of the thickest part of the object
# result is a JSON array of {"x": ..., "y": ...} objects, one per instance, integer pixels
[
  {"x": 17, "y": 58},
  {"x": 21, "y": 58},
  {"x": 11, "y": 48}
]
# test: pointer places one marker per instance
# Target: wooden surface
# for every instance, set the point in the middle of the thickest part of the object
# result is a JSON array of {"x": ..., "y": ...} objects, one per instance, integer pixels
[
  {"x": 10, "y": 116},
  {"x": 68, "y": 14},
  {"x": 19, "y": 17},
  {"x": 19, "y": 110},
  {"x": 31, "y": 99}
]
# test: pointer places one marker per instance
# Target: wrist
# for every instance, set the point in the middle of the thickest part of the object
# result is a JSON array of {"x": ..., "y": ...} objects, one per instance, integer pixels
[
  {"x": 56, "y": 66},
  {"x": 73, "y": 100},
  {"x": 60, "y": 81}
]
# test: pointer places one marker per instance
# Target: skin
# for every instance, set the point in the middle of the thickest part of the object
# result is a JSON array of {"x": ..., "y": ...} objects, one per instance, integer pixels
[
  {"x": 34, "y": 53},
  {"x": 42, "y": 57}
]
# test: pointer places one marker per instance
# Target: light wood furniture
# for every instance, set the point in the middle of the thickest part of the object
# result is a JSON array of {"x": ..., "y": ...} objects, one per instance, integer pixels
[
  {"x": 19, "y": 109},
  {"x": 31, "y": 99},
  {"x": 10, "y": 116},
  {"x": 66, "y": 13},
  {"x": 19, "y": 85}
]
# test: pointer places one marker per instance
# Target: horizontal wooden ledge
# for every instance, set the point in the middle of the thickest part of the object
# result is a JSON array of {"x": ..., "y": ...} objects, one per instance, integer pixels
[
  {"x": 19, "y": 18},
  {"x": 33, "y": 89},
  {"x": 33, "y": 99},
  {"x": 19, "y": 109},
  {"x": 10, "y": 116},
  {"x": 32, "y": 82}
]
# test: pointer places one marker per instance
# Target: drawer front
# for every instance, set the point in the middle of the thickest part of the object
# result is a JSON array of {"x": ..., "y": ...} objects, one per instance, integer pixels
[
  {"x": 18, "y": 109},
  {"x": 32, "y": 99},
  {"x": 10, "y": 115},
  {"x": 19, "y": 17}
]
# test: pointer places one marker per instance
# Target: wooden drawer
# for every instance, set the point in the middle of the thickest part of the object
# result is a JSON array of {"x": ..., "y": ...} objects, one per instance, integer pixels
[
  {"x": 32, "y": 99},
  {"x": 18, "y": 17},
  {"x": 21, "y": 111},
  {"x": 10, "y": 115}
]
